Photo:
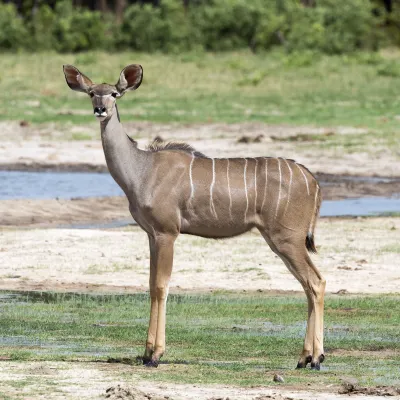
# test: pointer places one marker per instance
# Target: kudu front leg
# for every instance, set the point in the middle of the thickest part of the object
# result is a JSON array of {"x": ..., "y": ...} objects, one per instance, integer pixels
[{"x": 161, "y": 260}]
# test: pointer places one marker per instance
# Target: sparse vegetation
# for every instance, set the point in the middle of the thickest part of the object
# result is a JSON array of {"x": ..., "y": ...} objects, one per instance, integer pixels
[{"x": 218, "y": 338}]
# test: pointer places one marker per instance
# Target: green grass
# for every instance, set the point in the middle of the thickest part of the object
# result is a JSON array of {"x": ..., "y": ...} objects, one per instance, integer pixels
[
  {"x": 214, "y": 338},
  {"x": 358, "y": 90}
]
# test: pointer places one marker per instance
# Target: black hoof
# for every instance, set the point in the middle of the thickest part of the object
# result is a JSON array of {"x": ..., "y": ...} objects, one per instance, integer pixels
[
  {"x": 315, "y": 366},
  {"x": 151, "y": 364},
  {"x": 302, "y": 364},
  {"x": 145, "y": 360}
]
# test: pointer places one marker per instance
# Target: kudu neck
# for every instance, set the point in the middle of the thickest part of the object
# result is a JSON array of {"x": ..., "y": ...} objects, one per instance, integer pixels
[{"x": 125, "y": 160}]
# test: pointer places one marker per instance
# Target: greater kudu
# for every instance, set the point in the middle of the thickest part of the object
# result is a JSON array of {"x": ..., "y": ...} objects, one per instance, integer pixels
[{"x": 174, "y": 189}]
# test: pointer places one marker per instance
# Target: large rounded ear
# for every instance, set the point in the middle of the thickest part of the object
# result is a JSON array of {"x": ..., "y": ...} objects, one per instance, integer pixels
[
  {"x": 76, "y": 80},
  {"x": 130, "y": 79}
]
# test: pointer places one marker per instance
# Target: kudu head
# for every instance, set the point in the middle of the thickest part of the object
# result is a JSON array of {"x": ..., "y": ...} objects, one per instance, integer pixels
[{"x": 104, "y": 95}]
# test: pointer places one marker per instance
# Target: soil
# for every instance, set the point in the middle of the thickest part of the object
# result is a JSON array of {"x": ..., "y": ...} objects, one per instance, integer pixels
[
  {"x": 351, "y": 255},
  {"x": 50, "y": 146},
  {"x": 34, "y": 380}
]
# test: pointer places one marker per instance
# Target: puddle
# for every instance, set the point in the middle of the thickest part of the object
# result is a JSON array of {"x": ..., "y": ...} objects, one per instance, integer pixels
[
  {"x": 367, "y": 206},
  {"x": 100, "y": 225},
  {"x": 50, "y": 185}
]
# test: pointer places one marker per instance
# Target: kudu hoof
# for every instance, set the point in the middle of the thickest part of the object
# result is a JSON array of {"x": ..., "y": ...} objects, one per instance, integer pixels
[
  {"x": 316, "y": 365},
  {"x": 151, "y": 363},
  {"x": 303, "y": 364},
  {"x": 144, "y": 359}
]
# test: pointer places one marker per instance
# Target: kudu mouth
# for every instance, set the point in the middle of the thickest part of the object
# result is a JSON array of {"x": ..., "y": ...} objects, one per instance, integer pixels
[{"x": 100, "y": 112}]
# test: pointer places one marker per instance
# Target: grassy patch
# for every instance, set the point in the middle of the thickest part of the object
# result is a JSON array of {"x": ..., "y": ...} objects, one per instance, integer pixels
[
  {"x": 273, "y": 87},
  {"x": 215, "y": 338}
]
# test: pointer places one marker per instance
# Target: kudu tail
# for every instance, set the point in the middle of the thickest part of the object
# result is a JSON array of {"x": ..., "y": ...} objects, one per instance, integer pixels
[{"x": 310, "y": 244}]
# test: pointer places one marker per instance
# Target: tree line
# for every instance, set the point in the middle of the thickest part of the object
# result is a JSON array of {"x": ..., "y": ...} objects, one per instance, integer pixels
[{"x": 329, "y": 26}]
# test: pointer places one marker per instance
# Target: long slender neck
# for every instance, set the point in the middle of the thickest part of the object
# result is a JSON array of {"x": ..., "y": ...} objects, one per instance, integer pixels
[{"x": 126, "y": 163}]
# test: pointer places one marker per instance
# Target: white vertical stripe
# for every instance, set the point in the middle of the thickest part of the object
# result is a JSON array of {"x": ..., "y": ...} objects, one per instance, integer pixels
[
  {"x": 305, "y": 178},
  {"x": 280, "y": 187},
  {"x": 290, "y": 186},
  {"x": 212, "y": 188},
  {"x": 266, "y": 183},
  {"x": 314, "y": 209},
  {"x": 191, "y": 177},
  {"x": 229, "y": 188}
]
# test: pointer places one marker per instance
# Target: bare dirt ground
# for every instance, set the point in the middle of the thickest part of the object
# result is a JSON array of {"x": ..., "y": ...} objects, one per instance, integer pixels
[
  {"x": 355, "y": 256},
  {"x": 51, "y": 146},
  {"x": 37, "y": 380}
]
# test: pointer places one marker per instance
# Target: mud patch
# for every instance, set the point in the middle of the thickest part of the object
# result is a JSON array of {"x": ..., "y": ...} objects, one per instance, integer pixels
[
  {"x": 41, "y": 370},
  {"x": 129, "y": 393},
  {"x": 352, "y": 388}
]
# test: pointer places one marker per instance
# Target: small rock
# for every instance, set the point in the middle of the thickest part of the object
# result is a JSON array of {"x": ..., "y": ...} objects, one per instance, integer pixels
[
  {"x": 278, "y": 378},
  {"x": 345, "y": 267},
  {"x": 24, "y": 123},
  {"x": 342, "y": 291}
]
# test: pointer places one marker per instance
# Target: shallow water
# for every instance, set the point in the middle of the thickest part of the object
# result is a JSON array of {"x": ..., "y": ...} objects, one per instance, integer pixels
[
  {"x": 67, "y": 185},
  {"x": 366, "y": 206},
  {"x": 50, "y": 185}
]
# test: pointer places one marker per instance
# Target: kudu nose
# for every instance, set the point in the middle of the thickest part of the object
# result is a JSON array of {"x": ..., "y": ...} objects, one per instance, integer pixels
[{"x": 99, "y": 110}]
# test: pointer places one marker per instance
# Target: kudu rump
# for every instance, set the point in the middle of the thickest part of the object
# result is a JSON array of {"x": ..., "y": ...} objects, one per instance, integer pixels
[{"x": 174, "y": 189}]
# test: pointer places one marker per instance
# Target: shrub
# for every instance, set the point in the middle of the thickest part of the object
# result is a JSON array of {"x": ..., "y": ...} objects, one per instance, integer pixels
[
  {"x": 149, "y": 28},
  {"x": 43, "y": 29},
  {"x": 13, "y": 34},
  {"x": 333, "y": 27},
  {"x": 78, "y": 29}
]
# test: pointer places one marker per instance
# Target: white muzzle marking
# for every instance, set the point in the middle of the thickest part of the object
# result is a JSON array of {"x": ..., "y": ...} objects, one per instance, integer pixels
[{"x": 103, "y": 114}]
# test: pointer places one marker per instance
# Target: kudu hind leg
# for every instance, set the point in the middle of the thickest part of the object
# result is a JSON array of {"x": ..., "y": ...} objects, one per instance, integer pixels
[
  {"x": 295, "y": 256},
  {"x": 161, "y": 259},
  {"x": 300, "y": 264}
]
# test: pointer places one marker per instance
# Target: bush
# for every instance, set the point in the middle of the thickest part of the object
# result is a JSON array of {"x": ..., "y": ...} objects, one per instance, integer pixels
[
  {"x": 13, "y": 34},
  {"x": 333, "y": 27},
  {"x": 43, "y": 29},
  {"x": 78, "y": 29},
  {"x": 148, "y": 28}
]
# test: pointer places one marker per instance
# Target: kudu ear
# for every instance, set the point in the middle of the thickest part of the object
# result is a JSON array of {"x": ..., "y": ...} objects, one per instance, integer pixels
[
  {"x": 130, "y": 79},
  {"x": 76, "y": 80}
]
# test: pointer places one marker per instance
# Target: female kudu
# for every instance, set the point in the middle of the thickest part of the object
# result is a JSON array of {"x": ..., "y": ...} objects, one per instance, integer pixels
[{"x": 174, "y": 189}]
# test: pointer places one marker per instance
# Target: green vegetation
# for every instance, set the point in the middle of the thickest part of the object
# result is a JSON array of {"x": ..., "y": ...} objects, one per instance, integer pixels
[
  {"x": 228, "y": 87},
  {"x": 214, "y": 338},
  {"x": 332, "y": 26}
]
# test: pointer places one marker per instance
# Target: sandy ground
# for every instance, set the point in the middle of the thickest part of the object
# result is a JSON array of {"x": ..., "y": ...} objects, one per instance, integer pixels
[
  {"x": 355, "y": 255},
  {"x": 48, "y": 146},
  {"x": 37, "y": 380}
]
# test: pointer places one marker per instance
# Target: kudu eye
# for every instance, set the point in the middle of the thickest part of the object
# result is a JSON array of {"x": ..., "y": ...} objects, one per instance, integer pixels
[
  {"x": 91, "y": 94},
  {"x": 115, "y": 94}
]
